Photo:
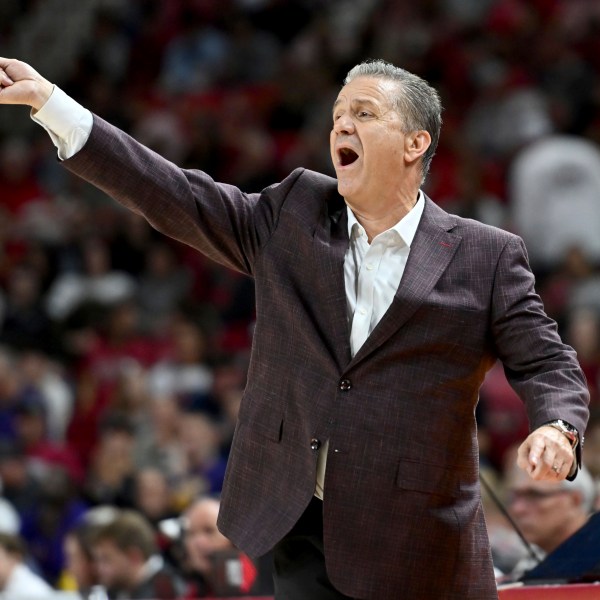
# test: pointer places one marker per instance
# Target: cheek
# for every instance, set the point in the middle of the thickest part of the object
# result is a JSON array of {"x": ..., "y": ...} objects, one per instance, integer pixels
[
  {"x": 391, "y": 154},
  {"x": 102, "y": 570}
]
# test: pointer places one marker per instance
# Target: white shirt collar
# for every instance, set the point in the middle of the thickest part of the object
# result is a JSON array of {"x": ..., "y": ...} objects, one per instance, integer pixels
[{"x": 406, "y": 227}]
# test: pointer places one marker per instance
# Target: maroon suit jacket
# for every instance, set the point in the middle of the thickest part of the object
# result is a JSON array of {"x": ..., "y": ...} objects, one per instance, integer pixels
[{"x": 402, "y": 510}]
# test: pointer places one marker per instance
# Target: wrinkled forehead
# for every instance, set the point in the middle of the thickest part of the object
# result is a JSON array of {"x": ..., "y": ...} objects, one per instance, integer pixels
[
  {"x": 379, "y": 90},
  {"x": 521, "y": 483}
]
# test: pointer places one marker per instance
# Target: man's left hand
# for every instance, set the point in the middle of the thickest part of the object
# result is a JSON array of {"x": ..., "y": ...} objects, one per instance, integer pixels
[{"x": 546, "y": 455}]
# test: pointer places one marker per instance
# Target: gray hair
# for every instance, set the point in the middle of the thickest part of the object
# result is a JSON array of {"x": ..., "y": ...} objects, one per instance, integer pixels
[
  {"x": 417, "y": 102},
  {"x": 584, "y": 484}
]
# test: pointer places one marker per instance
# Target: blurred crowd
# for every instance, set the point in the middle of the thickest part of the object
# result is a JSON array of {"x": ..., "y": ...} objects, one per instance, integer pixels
[{"x": 123, "y": 354}]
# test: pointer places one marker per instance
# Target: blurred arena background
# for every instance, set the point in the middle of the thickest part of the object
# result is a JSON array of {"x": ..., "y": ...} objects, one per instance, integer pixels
[{"x": 123, "y": 354}]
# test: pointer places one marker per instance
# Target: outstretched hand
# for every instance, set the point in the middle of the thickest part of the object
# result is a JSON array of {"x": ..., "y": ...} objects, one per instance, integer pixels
[
  {"x": 21, "y": 84},
  {"x": 546, "y": 455}
]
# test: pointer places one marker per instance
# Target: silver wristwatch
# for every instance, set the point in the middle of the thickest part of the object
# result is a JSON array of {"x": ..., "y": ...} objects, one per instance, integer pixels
[{"x": 567, "y": 430}]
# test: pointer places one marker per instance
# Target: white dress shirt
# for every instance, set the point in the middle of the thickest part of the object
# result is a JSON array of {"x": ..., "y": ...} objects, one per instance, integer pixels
[
  {"x": 372, "y": 272},
  {"x": 24, "y": 584}
]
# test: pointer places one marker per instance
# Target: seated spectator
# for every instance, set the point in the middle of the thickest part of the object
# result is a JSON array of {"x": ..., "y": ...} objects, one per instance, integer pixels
[
  {"x": 130, "y": 397},
  {"x": 543, "y": 176},
  {"x": 20, "y": 188},
  {"x": 163, "y": 287},
  {"x": 110, "y": 477},
  {"x": 583, "y": 334},
  {"x": 196, "y": 57},
  {"x": 26, "y": 324},
  {"x": 162, "y": 449},
  {"x": 17, "y": 580},
  {"x": 228, "y": 389},
  {"x": 79, "y": 572},
  {"x": 99, "y": 283},
  {"x": 152, "y": 496},
  {"x": 557, "y": 289},
  {"x": 548, "y": 513},
  {"x": 501, "y": 415},
  {"x": 10, "y": 386},
  {"x": 128, "y": 563},
  {"x": 117, "y": 343},
  {"x": 19, "y": 487},
  {"x": 30, "y": 421},
  {"x": 10, "y": 522},
  {"x": 48, "y": 376},
  {"x": 215, "y": 567},
  {"x": 185, "y": 373},
  {"x": 56, "y": 510},
  {"x": 201, "y": 441}
]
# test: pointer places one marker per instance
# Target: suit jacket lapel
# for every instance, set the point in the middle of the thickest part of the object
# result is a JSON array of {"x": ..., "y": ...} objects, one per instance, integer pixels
[{"x": 431, "y": 252}]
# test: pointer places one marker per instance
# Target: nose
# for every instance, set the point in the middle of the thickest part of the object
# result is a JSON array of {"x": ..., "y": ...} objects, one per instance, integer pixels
[{"x": 344, "y": 124}]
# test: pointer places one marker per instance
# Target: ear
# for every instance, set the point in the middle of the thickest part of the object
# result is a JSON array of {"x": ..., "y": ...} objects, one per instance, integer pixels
[
  {"x": 576, "y": 498},
  {"x": 416, "y": 144}
]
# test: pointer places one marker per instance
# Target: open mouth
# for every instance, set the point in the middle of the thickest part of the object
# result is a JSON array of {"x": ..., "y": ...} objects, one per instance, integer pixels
[{"x": 347, "y": 156}]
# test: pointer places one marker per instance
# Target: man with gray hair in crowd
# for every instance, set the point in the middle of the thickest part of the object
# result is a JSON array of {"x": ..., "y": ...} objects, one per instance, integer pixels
[
  {"x": 377, "y": 316},
  {"x": 548, "y": 513}
]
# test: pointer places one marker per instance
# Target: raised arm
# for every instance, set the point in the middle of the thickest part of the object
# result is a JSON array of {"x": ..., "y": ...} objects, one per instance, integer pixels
[{"x": 217, "y": 219}]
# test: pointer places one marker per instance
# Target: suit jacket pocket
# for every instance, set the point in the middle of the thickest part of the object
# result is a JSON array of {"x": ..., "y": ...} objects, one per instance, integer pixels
[{"x": 427, "y": 478}]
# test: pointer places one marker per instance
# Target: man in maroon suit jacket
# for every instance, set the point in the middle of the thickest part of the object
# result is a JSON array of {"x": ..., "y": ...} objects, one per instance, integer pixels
[{"x": 378, "y": 314}]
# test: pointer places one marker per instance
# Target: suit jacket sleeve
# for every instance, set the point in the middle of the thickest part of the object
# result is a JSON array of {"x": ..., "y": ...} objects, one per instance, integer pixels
[
  {"x": 219, "y": 220},
  {"x": 539, "y": 366}
]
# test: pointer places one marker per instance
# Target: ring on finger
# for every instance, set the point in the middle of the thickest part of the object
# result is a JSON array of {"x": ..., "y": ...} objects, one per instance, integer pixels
[{"x": 556, "y": 469}]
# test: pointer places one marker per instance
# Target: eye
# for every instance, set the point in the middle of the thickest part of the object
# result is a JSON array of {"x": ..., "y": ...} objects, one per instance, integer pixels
[{"x": 363, "y": 114}]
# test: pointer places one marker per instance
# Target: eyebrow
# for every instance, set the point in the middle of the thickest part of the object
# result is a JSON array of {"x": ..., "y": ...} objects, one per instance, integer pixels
[{"x": 356, "y": 101}]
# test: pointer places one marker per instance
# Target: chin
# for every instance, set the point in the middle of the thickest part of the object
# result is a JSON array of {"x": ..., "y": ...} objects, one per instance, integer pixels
[{"x": 347, "y": 190}]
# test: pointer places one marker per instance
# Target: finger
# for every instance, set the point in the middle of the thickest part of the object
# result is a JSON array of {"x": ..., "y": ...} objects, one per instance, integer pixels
[
  {"x": 536, "y": 450},
  {"x": 560, "y": 466},
  {"x": 523, "y": 457},
  {"x": 564, "y": 463},
  {"x": 5, "y": 80},
  {"x": 545, "y": 468}
]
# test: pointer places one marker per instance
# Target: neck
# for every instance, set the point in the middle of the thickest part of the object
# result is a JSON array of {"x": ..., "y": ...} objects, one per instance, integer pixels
[
  {"x": 379, "y": 219},
  {"x": 7, "y": 572}
]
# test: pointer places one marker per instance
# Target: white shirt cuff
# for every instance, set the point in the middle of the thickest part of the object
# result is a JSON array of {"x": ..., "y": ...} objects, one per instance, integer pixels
[{"x": 67, "y": 122}]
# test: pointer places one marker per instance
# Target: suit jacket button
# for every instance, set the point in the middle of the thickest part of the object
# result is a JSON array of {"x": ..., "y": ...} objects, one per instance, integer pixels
[
  {"x": 345, "y": 385},
  {"x": 315, "y": 444}
]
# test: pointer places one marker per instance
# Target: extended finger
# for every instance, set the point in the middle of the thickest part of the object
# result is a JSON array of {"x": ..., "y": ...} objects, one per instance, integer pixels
[
  {"x": 548, "y": 457},
  {"x": 536, "y": 450}
]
